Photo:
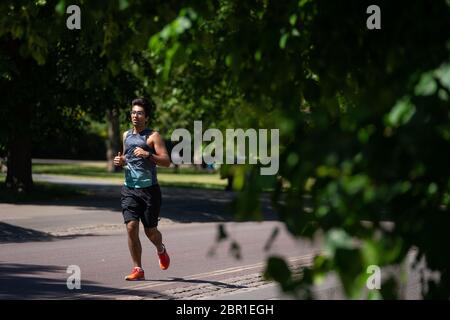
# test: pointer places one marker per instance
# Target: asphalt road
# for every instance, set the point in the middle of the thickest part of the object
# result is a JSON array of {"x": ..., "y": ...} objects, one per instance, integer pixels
[
  {"x": 39, "y": 241},
  {"x": 37, "y": 269}
]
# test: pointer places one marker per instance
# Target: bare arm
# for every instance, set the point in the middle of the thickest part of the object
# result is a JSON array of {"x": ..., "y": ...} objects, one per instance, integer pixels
[
  {"x": 161, "y": 156},
  {"x": 119, "y": 160}
]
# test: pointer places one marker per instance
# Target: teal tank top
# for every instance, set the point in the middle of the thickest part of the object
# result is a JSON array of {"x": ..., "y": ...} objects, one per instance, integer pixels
[{"x": 139, "y": 172}]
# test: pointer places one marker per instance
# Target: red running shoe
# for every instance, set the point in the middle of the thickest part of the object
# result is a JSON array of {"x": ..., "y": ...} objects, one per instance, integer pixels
[
  {"x": 164, "y": 259},
  {"x": 135, "y": 275}
]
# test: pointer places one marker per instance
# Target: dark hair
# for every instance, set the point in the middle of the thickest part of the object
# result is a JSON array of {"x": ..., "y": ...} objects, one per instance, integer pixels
[{"x": 148, "y": 105}]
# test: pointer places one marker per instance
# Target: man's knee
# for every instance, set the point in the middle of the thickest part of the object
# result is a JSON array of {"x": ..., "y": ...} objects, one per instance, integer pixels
[
  {"x": 133, "y": 227},
  {"x": 152, "y": 232}
]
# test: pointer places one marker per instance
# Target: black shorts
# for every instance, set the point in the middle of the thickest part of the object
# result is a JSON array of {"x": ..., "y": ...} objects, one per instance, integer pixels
[{"x": 141, "y": 204}]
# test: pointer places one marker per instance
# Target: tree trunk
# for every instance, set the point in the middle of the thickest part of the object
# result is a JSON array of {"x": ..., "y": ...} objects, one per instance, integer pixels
[
  {"x": 113, "y": 143},
  {"x": 18, "y": 175}
]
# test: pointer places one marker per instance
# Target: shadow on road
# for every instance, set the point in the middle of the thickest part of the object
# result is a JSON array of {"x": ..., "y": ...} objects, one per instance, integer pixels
[
  {"x": 10, "y": 233},
  {"x": 179, "y": 204},
  {"x": 197, "y": 281},
  {"x": 29, "y": 281}
]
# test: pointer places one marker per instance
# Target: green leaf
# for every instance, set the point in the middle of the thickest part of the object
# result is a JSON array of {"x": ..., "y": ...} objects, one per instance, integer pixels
[
  {"x": 271, "y": 239},
  {"x": 283, "y": 40},
  {"x": 338, "y": 239},
  {"x": 293, "y": 19},
  {"x": 258, "y": 55},
  {"x": 278, "y": 270},
  {"x": 60, "y": 7},
  {"x": 401, "y": 113},
  {"x": 355, "y": 184},
  {"x": 123, "y": 4},
  {"x": 426, "y": 86},
  {"x": 170, "y": 54},
  {"x": 443, "y": 75}
]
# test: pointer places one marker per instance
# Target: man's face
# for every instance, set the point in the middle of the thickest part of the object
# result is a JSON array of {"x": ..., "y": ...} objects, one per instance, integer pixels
[{"x": 138, "y": 116}]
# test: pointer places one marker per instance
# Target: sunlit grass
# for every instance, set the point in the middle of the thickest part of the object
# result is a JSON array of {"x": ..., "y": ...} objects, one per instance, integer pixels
[
  {"x": 75, "y": 170},
  {"x": 186, "y": 177},
  {"x": 211, "y": 181}
]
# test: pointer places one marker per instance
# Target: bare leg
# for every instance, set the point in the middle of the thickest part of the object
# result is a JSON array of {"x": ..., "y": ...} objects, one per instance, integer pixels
[
  {"x": 134, "y": 244},
  {"x": 155, "y": 237}
]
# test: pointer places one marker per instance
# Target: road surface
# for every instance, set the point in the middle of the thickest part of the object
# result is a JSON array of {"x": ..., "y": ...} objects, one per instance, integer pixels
[{"x": 39, "y": 241}]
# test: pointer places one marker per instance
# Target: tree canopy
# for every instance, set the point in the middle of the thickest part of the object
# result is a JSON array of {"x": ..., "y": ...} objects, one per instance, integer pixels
[
  {"x": 364, "y": 120},
  {"x": 363, "y": 114}
]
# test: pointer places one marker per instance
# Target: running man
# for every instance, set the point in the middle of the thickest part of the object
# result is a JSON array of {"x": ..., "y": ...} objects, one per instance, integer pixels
[{"x": 141, "y": 195}]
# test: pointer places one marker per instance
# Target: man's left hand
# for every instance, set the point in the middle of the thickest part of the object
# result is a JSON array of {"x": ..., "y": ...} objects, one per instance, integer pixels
[{"x": 139, "y": 152}]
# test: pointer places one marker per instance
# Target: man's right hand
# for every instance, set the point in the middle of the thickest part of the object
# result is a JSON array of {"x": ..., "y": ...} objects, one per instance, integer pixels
[{"x": 119, "y": 160}]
